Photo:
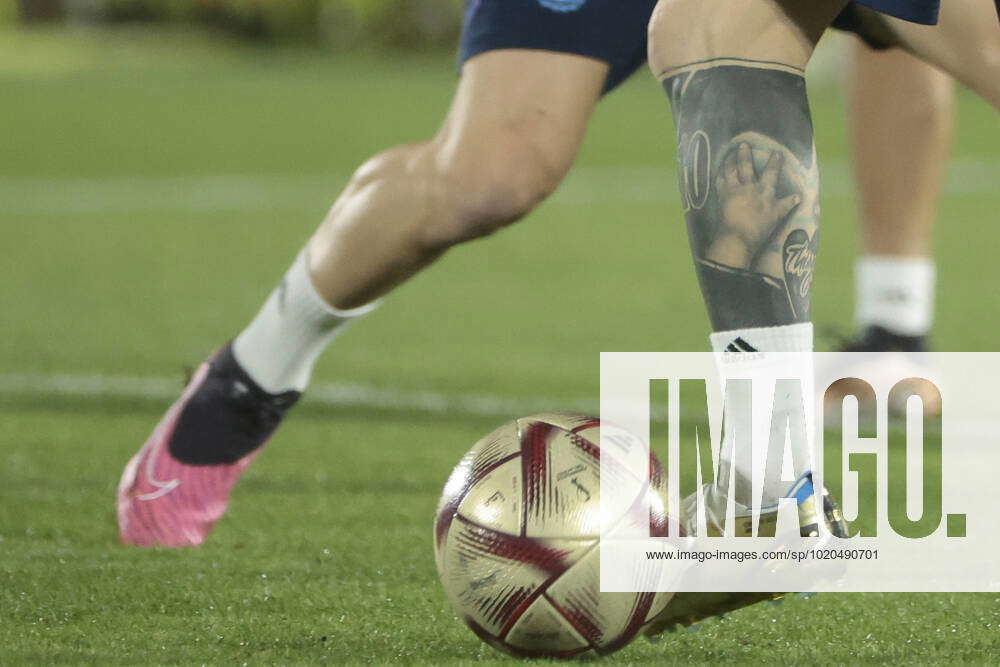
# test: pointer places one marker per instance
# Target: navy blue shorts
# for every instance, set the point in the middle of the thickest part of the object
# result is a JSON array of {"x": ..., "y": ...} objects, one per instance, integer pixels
[
  {"x": 917, "y": 11},
  {"x": 610, "y": 30},
  {"x": 856, "y": 18}
]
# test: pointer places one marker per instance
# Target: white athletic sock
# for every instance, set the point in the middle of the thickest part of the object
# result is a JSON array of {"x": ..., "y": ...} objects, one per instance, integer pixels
[
  {"x": 766, "y": 356},
  {"x": 281, "y": 345},
  {"x": 896, "y": 293}
]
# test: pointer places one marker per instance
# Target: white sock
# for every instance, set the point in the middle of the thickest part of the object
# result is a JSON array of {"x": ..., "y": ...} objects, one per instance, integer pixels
[
  {"x": 896, "y": 293},
  {"x": 281, "y": 345},
  {"x": 766, "y": 356}
]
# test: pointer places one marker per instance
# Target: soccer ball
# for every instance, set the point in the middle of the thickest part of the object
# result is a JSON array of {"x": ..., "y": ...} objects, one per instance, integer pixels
[{"x": 516, "y": 541}]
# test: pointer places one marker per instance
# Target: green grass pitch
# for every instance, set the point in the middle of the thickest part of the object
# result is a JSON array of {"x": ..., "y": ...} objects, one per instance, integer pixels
[{"x": 152, "y": 190}]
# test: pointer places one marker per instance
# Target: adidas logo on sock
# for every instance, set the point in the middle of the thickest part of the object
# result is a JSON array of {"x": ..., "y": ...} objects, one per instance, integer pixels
[
  {"x": 739, "y": 350},
  {"x": 740, "y": 345}
]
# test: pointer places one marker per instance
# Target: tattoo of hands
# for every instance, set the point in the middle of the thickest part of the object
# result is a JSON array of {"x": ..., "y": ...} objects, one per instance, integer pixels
[{"x": 751, "y": 211}]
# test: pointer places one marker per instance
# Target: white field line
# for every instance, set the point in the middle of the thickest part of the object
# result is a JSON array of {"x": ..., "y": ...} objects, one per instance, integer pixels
[
  {"x": 348, "y": 395},
  {"x": 642, "y": 184},
  {"x": 335, "y": 394}
]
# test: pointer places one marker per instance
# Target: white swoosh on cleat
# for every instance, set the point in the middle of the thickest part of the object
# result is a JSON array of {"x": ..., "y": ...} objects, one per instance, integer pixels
[
  {"x": 169, "y": 423},
  {"x": 162, "y": 488}
]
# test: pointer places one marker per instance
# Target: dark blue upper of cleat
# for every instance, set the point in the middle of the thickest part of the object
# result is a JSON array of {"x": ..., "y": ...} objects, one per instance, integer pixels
[{"x": 228, "y": 417}]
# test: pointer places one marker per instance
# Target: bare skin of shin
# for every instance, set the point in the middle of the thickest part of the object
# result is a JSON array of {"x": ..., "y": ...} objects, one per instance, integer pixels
[{"x": 901, "y": 113}]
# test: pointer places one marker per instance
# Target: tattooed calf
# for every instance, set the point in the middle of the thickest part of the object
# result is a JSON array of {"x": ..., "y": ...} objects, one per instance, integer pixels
[{"x": 750, "y": 188}]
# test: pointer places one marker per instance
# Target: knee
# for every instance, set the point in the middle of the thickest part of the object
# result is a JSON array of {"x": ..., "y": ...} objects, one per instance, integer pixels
[
  {"x": 662, "y": 40},
  {"x": 682, "y": 32},
  {"x": 686, "y": 31},
  {"x": 451, "y": 196},
  {"x": 935, "y": 106},
  {"x": 984, "y": 78},
  {"x": 477, "y": 196}
]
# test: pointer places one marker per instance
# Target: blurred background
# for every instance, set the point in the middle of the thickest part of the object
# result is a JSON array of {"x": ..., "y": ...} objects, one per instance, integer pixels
[
  {"x": 338, "y": 24},
  {"x": 162, "y": 161}
]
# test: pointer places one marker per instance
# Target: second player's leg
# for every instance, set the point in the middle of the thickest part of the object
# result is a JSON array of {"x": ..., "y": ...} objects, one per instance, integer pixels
[{"x": 901, "y": 120}]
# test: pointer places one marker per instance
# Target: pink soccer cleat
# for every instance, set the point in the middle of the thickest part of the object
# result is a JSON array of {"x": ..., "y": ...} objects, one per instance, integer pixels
[{"x": 177, "y": 487}]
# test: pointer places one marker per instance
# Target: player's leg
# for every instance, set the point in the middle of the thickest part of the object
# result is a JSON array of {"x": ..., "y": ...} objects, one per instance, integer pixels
[
  {"x": 509, "y": 138},
  {"x": 513, "y": 130},
  {"x": 531, "y": 76},
  {"x": 733, "y": 70},
  {"x": 901, "y": 113}
]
